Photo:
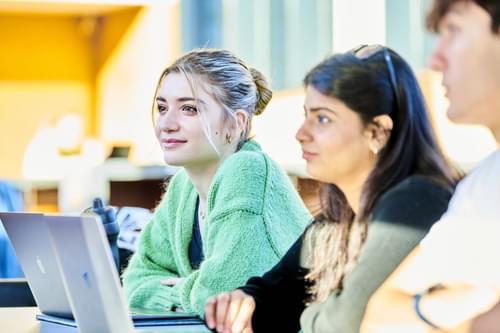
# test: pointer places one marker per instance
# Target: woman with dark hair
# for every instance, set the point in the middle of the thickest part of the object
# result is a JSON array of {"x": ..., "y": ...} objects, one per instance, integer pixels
[{"x": 367, "y": 137}]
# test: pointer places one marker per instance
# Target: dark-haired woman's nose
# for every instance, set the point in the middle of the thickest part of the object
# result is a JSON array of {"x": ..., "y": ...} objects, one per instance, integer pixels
[{"x": 302, "y": 134}]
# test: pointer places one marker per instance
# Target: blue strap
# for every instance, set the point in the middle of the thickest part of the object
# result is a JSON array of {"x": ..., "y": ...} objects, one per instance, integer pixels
[{"x": 416, "y": 303}]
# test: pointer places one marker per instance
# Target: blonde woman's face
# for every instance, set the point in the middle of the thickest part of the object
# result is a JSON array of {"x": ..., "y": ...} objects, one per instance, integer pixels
[
  {"x": 333, "y": 140},
  {"x": 179, "y": 124}
]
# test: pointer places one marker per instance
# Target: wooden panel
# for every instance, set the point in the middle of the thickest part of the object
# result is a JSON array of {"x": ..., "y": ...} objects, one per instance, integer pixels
[{"x": 141, "y": 193}]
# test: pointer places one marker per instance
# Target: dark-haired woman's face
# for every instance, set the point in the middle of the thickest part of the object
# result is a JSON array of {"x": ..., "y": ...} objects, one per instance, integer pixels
[{"x": 334, "y": 141}]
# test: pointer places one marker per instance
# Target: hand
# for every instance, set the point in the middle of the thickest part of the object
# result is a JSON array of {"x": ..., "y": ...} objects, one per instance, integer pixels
[
  {"x": 450, "y": 309},
  {"x": 171, "y": 281},
  {"x": 230, "y": 312}
]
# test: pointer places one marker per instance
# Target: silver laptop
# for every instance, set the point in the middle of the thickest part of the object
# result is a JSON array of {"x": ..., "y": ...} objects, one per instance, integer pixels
[
  {"x": 30, "y": 237},
  {"x": 92, "y": 281},
  {"x": 41, "y": 260}
]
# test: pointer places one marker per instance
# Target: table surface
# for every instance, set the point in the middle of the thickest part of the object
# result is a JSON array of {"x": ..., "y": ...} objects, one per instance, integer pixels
[
  {"x": 22, "y": 320},
  {"x": 19, "y": 320}
]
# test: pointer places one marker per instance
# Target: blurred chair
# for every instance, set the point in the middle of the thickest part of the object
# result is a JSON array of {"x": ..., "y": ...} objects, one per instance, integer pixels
[
  {"x": 11, "y": 200},
  {"x": 14, "y": 291},
  {"x": 131, "y": 220}
]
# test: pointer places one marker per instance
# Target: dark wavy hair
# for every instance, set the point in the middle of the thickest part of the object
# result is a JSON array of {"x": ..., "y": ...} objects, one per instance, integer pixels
[
  {"x": 441, "y": 7},
  {"x": 364, "y": 85}
]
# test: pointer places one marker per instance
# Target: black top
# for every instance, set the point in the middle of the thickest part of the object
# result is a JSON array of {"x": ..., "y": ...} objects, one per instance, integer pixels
[
  {"x": 400, "y": 219},
  {"x": 196, "y": 245},
  {"x": 279, "y": 294}
]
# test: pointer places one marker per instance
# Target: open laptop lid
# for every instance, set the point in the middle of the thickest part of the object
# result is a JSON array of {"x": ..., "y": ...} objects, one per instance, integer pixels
[
  {"x": 92, "y": 281},
  {"x": 90, "y": 274},
  {"x": 31, "y": 240}
]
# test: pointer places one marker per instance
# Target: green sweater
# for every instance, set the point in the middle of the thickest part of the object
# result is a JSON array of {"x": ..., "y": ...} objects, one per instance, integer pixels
[{"x": 253, "y": 216}]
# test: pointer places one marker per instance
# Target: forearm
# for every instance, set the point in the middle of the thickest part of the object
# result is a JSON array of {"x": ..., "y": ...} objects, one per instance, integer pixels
[
  {"x": 446, "y": 309},
  {"x": 215, "y": 277},
  {"x": 487, "y": 322},
  {"x": 450, "y": 308},
  {"x": 142, "y": 285},
  {"x": 343, "y": 312}
]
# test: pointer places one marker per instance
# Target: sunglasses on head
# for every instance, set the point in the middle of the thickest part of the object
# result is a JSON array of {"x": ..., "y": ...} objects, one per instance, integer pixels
[{"x": 366, "y": 51}]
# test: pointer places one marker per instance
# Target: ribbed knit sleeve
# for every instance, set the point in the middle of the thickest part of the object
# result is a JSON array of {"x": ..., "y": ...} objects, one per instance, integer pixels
[{"x": 400, "y": 220}]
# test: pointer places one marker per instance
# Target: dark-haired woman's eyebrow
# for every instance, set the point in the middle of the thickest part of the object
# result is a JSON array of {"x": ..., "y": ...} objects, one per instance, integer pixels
[{"x": 321, "y": 108}]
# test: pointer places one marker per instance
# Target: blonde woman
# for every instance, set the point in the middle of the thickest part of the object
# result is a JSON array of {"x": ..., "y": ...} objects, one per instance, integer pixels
[{"x": 221, "y": 219}]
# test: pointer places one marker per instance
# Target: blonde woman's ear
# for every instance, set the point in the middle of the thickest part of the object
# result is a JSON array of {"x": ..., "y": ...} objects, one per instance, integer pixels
[
  {"x": 242, "y": 118},
  {"x": 241, "y": 121}
]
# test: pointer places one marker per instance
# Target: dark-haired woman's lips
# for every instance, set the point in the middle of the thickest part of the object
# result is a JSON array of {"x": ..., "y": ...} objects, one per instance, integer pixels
[{"x": 172, "y": 143}]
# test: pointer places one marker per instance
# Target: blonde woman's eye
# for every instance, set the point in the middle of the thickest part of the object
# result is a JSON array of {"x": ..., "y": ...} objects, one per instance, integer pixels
[
  {"x": 190, "y": 109},
  {"x": 161, "y": 108}
]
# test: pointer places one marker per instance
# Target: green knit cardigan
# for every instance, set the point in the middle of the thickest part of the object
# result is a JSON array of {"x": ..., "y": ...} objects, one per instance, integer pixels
[{"x": 253, "y": 216}]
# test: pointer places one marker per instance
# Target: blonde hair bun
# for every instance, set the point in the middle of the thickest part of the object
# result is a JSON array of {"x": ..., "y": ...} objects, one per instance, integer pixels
[{"x": 264, "y": 93}]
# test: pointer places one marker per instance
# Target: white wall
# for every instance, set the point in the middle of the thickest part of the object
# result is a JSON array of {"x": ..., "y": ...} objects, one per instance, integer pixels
[
  {"x": 357, "y": 22},
  {"x": 127, "y": 81}
]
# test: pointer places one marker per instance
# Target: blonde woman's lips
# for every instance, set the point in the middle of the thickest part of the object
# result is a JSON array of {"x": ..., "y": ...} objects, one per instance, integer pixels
[{"x": 172, "y": 143}]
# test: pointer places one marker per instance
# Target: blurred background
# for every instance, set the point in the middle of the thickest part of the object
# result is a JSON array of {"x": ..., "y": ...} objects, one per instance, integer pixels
[{"x": 77, "y": 79}]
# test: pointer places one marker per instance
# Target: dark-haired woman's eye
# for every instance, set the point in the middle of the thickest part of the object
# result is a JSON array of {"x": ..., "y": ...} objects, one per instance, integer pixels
[
  {"x": 323, "y": 119},
  {"x": 190, "y": 109}
]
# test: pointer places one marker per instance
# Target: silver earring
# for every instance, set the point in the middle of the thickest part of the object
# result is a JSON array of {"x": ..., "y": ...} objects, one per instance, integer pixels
[{"x": 229, "y": 138}]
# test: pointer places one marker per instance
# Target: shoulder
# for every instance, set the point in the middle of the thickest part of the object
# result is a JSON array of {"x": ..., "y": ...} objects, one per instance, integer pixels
[
  {"x": 178, "y": 182},
  {"x": 250, "y": 160},
  {"x": 416, "y": 188},
  {"x": 490, "y": 166},
  {"x": 477, "y": 195},
  {"x": 484, "y": 179},
  {"x": 417, "y": 200},
  {"x": 247, "y": 173},
  {"x": 247, "y": 167},
  {"x": 179, "y": 188}
]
